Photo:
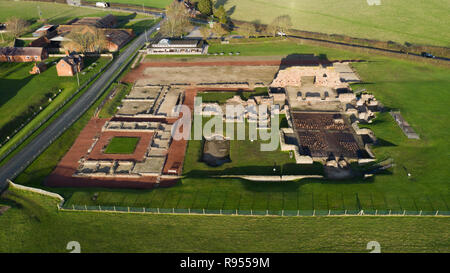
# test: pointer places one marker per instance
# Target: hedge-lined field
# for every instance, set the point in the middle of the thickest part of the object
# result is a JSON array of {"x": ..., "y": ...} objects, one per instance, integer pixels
[{"x": 402, "y": 21}]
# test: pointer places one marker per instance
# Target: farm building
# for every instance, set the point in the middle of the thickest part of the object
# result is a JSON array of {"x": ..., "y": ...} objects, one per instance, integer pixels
[
  {"x": 117, "y": 38},
  {"x": 178, "y": 46},
  {"x": 22, "y": 54},
  {"x": 69, "y": 65},
  {"x": 47, "y": 30},
  {"x": 108, "y": 21}
]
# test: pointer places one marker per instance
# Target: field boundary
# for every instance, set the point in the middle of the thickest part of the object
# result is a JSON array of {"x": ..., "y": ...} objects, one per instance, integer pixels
[
  {"x": 260, "y": 213},
  {"x": 369, "y": 49}
]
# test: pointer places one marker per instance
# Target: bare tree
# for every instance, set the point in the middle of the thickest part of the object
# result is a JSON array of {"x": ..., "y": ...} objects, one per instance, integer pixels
[
  {"x": 86, "y": 39},
  {"x": 16, "y": 26},
  {"x": 280, "y": 24},
  {"x": 205, "y": 31},
  {"x": 247, "y": 30},
  {"x": 177, "y": 20},
  {"x": 219, "y": 30}
]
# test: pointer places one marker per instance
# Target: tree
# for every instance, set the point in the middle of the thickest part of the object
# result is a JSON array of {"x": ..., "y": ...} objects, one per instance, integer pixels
[
  {"x": 177, "y": 20},
  {"x": 280, "y": 24},
  {"x": 205, "y": 7},
  {"x": 219, "y": 30},
  {"x": 205, "y": 31},
  {"x": 16, "y": 26},
  {"x": 86, "y": 39},
  {"x": 247, "y": 30},
  {"x": 221, "y": 14}
]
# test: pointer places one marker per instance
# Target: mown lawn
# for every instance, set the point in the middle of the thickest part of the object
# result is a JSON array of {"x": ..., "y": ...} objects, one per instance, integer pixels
[
  {"x": 37, "y": 226},
  {"x": 400, "y": 20},
  {"x": 122, "y": 145}
]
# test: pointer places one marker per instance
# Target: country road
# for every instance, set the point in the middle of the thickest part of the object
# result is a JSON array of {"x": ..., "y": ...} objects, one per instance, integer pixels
[{"x": 30, "y": 152}]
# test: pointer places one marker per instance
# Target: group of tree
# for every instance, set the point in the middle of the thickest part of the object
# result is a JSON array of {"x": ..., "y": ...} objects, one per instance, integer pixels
[
  {"x": 177, "y": 20},
  {"x": 281, "y": 24},
  {"x": 86, "y": 39},
  {"x": 16, "y": 26}
]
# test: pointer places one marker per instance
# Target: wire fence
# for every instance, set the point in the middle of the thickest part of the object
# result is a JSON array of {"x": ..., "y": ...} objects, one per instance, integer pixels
[{"x": 188, "y": 211}]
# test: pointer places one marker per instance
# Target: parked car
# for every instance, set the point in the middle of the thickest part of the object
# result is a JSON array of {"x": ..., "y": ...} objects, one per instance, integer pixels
[
  {"x": 428, "y": 55},
  {"x": 102, "y": 4}
]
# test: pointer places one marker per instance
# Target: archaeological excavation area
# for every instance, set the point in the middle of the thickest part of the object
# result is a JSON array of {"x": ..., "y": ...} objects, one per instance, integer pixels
[{"x": 321, "y": 110}]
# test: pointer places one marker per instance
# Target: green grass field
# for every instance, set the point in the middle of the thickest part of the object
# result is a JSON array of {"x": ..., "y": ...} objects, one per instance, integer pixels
[
  {"x": 394, "y": 82},
  {"x": 122, "y": 145},
  {"x": 36, "y": 226},
  {"x": 55, "y": 13},
  {"x": 23, "y": 93},
  {"x": 395, "y": 20},
  {"x": 161, "y": 4}
]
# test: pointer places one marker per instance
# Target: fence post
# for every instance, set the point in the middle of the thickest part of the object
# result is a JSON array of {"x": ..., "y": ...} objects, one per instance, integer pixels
[
  {"x": 345, "y": 212},
  {"x": 376, "y": 212},
  {"x": 282, "y": 212},
  {"x": 314, "y": 212},
  {"x": 203, "y": 211},
  {"x": 390, "y": 212},
  {"x": 420, "y": 214},
  {"x": 173, "y": 210},
  {"x": 143, "y": 209},
  {"x": 220, "y": 211},
  {"x": 85, "y": 207},
  {"x": 189, "y": 210},
  {"x": 73, "y": 207},
  {"x": 404, "y": 212},
  {"x": 267, "y": 212},
  {"x": 158, "y": 210},
  {"x": 298, "y": 212},
  {"x": 251, "y": 212},
  {"x": 114, "y": 208},
  {"x": 237, "y": 212},
  {"x": 99, "y": 208},
  {"x": 329, "y": 212},
  {"x": 437, "y": 212}
]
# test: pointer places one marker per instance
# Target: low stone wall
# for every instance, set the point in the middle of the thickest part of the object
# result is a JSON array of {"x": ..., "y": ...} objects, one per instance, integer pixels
[
  {"x": 272, "y": 178},
  {"x": 39, "y": 191}
]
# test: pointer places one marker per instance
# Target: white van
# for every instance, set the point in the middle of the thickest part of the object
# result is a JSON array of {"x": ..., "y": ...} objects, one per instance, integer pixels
[{"x": 102, "y": 4}]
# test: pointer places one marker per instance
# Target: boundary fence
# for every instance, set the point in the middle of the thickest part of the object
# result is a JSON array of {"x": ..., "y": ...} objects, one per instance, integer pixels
[
  {"x": 236, "y": 212},
  {"x": 50, "y": 115}
]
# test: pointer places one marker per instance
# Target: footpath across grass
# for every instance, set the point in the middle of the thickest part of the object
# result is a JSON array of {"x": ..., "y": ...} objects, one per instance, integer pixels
[{"x": 37, "y": 226}]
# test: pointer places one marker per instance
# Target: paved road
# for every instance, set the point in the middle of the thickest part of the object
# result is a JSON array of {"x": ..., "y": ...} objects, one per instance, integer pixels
[{"x": 21, "y": 160}]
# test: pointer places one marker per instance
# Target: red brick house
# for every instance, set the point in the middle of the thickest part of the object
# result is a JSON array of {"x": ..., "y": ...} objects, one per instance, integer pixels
[
  {"x": 22, "y": 54},
  {"x": 69, "y": 65}
]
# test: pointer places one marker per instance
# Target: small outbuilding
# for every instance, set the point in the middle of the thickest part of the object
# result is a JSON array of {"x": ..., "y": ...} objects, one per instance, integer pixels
[{"x": 38, "y": 68}]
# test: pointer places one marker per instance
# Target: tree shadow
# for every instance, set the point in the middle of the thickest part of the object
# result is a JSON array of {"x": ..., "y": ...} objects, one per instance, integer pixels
[{"x": 231, "y": 11}]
